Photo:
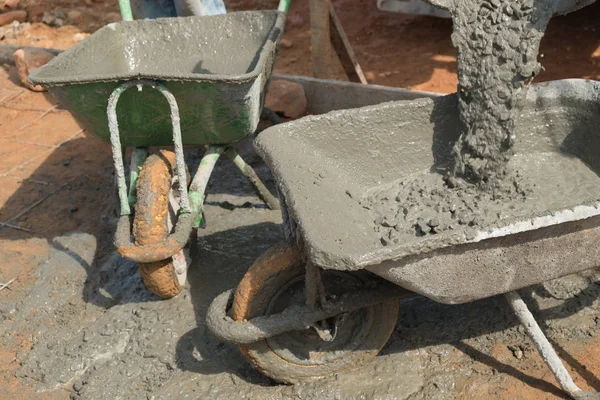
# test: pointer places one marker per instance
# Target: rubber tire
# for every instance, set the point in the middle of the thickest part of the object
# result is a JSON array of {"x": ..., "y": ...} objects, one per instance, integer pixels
[
  {"x": 150, "y": 224},
  {"x": 274, "y": 270}
]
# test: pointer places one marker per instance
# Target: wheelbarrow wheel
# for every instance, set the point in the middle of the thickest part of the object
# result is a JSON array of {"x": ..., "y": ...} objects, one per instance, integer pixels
[
  {"x": 153, "y": 222},
  {"x": 276, "y": 281}
]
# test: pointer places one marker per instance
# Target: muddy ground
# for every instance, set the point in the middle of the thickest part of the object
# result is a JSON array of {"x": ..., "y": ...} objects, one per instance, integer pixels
[{"x": 77, "y": 323}]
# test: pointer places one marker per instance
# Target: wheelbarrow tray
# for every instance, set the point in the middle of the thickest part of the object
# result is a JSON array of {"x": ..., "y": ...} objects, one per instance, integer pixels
[
  {"x": 326, "y": 165},
  {"x": 215, "y": 66}
]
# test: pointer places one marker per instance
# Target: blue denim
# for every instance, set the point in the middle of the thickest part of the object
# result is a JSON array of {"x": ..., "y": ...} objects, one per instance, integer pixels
[{"x": 176, "y": 8}]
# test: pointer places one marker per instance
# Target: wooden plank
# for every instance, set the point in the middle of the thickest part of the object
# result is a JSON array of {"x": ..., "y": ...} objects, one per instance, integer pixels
[
  {"x": 320, "y": 39},
  {"x": 344, "y": 50}
]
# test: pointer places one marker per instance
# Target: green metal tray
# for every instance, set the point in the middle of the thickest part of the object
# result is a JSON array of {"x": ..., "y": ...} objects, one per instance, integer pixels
[{"x": 217, "y": 68}]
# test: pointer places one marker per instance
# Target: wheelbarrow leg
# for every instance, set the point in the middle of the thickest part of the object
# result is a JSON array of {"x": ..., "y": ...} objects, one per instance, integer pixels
[
  {"x": 138, "y": 157},
  {"x": 545, "y": 349},
  {"x": 261, "y": 190},
  {"x": 200, "y": 181},
  {"x": 270, "y": 115}
]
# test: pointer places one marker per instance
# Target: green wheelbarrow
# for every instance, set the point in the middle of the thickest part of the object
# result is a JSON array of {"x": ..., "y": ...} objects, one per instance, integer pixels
[{"x": 168, "y": 82}]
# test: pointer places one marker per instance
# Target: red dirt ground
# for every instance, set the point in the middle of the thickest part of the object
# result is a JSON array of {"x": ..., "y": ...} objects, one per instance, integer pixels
[{"x": 395, "y": 50}]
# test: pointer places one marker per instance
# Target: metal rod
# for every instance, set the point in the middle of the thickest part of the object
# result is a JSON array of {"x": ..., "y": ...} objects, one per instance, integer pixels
[
  {"x": 315, "y": 291},
  {"x": 125, "y": 8},
  {"x": 261, "y": 190},
  {"x": 138, "y": 157},
  {"x": 296, "y": 317},
  {"x": 172, "y": 245},
  {"x": 545, "y": 348},
  {"x": 200, "y": 180},
  {"x": 115, "y": 141},
  {"x": 184, "y": 201}
]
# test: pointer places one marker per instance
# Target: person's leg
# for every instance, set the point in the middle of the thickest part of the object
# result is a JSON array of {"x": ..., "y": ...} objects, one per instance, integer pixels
[
  {"x": 199, "y": 7},
  {"x": 153, "y": 9}
]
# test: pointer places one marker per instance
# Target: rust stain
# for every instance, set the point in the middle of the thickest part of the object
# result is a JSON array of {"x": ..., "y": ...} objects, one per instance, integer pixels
[
  {"x": 267, "y": 265},
  {"x": 151, "y": 252},
  {"x": 150, "y": 226},
  {"x": 153, "y": 188}
]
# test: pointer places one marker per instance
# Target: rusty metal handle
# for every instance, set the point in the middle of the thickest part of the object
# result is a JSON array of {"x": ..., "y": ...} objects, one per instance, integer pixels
[
  {"x": 176, "y": 240},
  {"x": 153, "y": 252},
  {"x": 296, "y": 317}
]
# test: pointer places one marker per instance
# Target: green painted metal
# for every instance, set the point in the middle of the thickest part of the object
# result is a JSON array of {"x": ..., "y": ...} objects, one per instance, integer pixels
[
  {"x": 284, "y": 6},
  {"x": 116, "y": 143},
  {"x": 125, "y": 8},
  {"x": 209, "y": 114},
  {"x": 217, "y": 105},
  {"x": 139, "y": 156},
  {"x": 197, "y": 199}
]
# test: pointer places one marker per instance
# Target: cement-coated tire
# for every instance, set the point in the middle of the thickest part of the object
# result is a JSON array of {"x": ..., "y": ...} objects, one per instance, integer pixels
[
  {"x": 151, "y": 223},
  {"x": 277, "y": 278}
]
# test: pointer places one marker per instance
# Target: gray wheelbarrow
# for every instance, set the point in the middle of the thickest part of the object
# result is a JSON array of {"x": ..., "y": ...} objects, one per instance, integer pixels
[{"x": 317, "y": 305}]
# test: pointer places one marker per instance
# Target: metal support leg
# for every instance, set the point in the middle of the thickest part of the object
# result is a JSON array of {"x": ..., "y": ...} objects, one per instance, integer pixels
[
  {"x": 261, "y": 190},
  {"x": 177, "y": 239},
  {"x": 315, "y": 291},
  {"x": 545, "y": 349},
  {"x": 315, "y": 299},
  {"x": 198, "y": 186},
  {"x": 138, "y": 157}
]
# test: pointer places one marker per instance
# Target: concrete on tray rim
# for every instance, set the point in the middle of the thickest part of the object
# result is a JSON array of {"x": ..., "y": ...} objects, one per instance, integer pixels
[{"x": 271, "y": 40}]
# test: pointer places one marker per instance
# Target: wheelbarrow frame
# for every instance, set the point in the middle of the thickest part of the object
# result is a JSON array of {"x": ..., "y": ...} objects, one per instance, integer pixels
[{"x": 190, "y": 201}]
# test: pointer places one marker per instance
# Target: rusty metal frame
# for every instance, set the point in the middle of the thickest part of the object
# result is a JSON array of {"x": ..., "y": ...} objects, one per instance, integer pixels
[{"x": 294, "y": 317}]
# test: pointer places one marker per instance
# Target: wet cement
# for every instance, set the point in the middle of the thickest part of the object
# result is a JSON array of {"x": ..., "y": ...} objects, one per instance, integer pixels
[
  {"x": 497, "y": 44},
  {"x": 236, "y": 46},
  {"x": 419, "y": 206},
  {"x": 346, "y": 202},
  {"x": 98, "y": 334},
  {"x": 422, "y": 206}
]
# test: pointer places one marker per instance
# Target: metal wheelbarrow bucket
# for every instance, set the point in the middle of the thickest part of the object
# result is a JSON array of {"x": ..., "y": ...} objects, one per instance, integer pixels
[
  {"x": 342, "y": 157},
  {"x": 327, "y": 165},
  {"x": 216, "y": 67}
]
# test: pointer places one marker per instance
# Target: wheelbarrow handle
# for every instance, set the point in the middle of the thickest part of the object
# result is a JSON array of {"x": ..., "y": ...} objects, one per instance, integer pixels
[
  {"x": 125, "y": 7},
  {"x": 284, "y": 6},
  {"x": 115, "y": 141}
]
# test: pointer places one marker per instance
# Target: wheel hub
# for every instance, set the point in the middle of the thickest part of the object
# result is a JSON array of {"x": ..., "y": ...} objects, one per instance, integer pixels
[{"x": 328, "y": 340}]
